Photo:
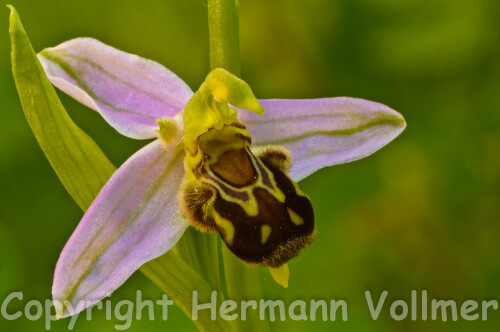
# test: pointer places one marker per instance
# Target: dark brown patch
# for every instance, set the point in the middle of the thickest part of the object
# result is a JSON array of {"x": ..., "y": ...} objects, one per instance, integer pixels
[
  {"x": 238, "y": 125},
  {"x": 286, "y": 238},
  {"x": 235, "y": 168},
  {"x": 198, "y": 170}
]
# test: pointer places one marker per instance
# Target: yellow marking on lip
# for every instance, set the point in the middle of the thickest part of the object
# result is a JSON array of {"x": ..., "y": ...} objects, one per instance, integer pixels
[
  {"x": 275, "y": 191},
  {"x": 226, "y": 227},
  {"x": 281, "y": 274},
  {"x": 250, "y": 206},
  {"x": 265, "y": 231},
  {"x": 298, "y": 191},
  {"x": 296, "y": 219}
]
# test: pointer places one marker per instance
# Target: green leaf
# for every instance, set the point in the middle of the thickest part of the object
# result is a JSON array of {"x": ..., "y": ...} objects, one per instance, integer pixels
[
  {"x": 77, "y": 160},
  {"x": 243, "y": 283},
  {"x": 184, "y": 280},
  {"x": 199, "y": 250},
  {"x": 83, "y": 168}
]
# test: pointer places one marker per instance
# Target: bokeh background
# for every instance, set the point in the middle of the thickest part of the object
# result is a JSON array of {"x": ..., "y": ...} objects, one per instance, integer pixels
[{"x": 422, "y": 213}]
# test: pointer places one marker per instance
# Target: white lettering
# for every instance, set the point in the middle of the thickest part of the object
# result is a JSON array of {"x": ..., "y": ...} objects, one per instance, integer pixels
[
  {"x": 211, "y": 305},
  {"x": 404, "y": 310},
  {"x": 468, "y": 307},
  {"x": 486, "y": 305},
  {"x": 244, "y": 307},
  {"x": 164, "y": 303},
  {"x": 140, "y": 305},
  {"x": 5, "y": 314},
  {"x": 226, "y": 307},
  {"x": 271, "y": 305},
  {"x": 38, "y": 313},
  {"x": 302, "y": 310},
  {"x": 375, "y": 312},
  {"x": 314, "y": 307},
  {"x": 441, "y": 304},
  {"x": 126, "y": 318}
]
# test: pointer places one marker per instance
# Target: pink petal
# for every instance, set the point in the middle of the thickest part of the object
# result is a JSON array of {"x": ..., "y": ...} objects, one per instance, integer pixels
[
  {"x": 130, "y": 92},
  {"x": 135, "y": 218},
  {"x": 323, "y": 132}
]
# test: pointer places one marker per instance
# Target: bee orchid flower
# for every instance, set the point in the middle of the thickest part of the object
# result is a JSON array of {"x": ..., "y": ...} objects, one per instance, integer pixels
[{"x": 222, "y": 162}]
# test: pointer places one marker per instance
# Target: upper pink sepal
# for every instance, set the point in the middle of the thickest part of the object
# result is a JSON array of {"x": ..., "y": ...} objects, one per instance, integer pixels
[{"x": 130, "y": 92}]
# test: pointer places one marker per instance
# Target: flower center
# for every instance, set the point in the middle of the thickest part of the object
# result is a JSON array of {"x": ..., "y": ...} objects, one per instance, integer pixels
[
  {"x": 212, "y": 106},
  {"x": 263, "y": 217}
]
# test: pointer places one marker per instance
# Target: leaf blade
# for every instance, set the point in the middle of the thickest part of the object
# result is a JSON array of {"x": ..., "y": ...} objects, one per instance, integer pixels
[
  {"x": 42, "y": 107},
  {"x": 55, "y": 136}
]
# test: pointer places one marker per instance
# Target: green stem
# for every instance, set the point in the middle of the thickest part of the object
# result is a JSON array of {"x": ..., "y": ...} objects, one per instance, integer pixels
[
  {"x": 223, "y": 29},
  {"x": 243, "y": 283},
  {"x": 199, "y": 250}
]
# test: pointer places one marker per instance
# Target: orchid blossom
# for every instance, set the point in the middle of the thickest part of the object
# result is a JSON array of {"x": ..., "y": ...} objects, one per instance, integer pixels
[{"x": 137, "y": 215}]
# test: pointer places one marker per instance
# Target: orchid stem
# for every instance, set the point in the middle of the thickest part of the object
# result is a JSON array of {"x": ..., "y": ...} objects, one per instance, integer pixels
[
  {"x": 223, "y": 28},
  {"x": 242, "y": 282}
]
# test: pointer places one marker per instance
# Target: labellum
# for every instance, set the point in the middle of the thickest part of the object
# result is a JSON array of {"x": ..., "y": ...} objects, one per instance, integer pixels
[{"x": 262, "y": 216}]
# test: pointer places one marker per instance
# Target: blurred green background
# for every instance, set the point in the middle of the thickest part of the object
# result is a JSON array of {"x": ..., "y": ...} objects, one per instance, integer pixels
[{"x": 422, "y": 213}]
